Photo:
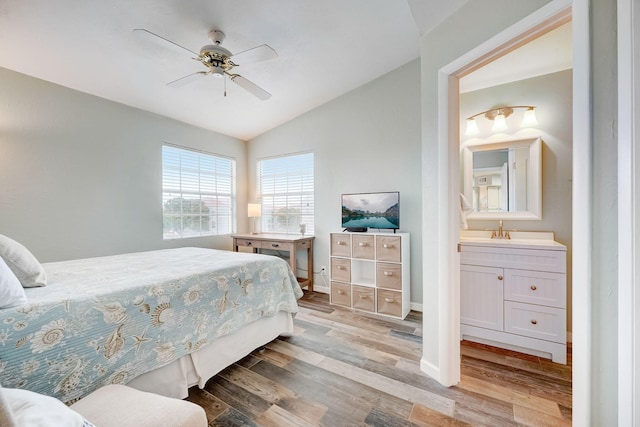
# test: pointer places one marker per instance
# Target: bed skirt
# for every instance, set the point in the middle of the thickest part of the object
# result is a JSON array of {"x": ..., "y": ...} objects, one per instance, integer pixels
[{"x": 174, "y": 379}]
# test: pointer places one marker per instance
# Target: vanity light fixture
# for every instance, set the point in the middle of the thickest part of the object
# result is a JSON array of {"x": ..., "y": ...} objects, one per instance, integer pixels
[{"x": 499, "y": 115}]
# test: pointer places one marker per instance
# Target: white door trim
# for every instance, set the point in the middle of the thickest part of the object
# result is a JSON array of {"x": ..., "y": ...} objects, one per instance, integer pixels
[
  {"x": 448, "y": 371},
  {"x": 628, "y": 213}
]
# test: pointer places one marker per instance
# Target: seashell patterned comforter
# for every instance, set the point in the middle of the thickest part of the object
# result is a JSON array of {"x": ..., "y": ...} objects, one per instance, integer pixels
[{"x": 107, "y": 320}]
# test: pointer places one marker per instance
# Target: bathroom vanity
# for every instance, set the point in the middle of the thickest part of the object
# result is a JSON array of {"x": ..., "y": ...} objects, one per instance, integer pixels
[{"x": 513, "y": 292}]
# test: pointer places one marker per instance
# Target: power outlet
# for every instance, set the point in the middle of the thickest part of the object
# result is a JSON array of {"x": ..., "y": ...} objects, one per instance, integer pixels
[{"x": 323, "y": 270}]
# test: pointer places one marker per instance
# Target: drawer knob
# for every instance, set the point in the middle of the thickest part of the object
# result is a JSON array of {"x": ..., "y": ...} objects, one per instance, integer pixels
[
  {"x": 534, "y": 322},
  {"x": 364, "y": 296},
  {"x": 341, "y": 242},
  {"x": 362, "y": 244},
  {"x": 388, "y": 273},
  {"x": 340, "y": 267},
  {"x": 248, "y": 243},
  {"x": 500, "y": 277},
  {"x": 387, "y": 246},
  {"x": 275, "y": 245},
  {"x": 340, "y": 292},
  {"x": 534, "y": 287},
  {"x": 387, "y": 299}
]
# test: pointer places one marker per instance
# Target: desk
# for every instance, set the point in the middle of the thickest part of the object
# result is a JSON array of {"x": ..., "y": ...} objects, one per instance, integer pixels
[{"x": 281, "y": 242}]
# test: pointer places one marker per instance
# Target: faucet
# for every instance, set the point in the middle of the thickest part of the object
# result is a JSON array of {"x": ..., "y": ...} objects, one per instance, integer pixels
[{"x": 500, "y": 233}]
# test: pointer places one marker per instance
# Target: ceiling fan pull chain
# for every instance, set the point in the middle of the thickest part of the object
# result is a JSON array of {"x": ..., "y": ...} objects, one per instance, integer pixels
[{"x": 225, "y": 86}]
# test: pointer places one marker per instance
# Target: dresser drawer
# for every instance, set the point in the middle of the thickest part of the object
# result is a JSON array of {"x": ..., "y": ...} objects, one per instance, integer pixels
[
  {"x": 389, "y": 302},
  {"x": 341, "y": 294},
  {"x": 388, "y": 248},
  {"x": 340, "y": 245},
  {"x": 248, "y": 243},
  {"x": 364, "y": 298},
  {"x": 535, "y": 287},
  {"x": 363, "y": 247},
  {"x": 341, "y": 269},
  {"x": 535, "y": 321},
  {"x": 389, "y": 275}
]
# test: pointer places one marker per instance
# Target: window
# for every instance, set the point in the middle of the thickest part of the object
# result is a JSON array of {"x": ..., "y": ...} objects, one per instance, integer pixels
[
  {"x": 285, "y": 188},
  {"x": 198, "y": 193}
]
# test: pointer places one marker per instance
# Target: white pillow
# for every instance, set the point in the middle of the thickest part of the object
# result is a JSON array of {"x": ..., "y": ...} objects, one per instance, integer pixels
[
  {"x": 22, "y": 262},
  {"x": 37, "y": 410},
  {"x": 11, "y": 291}
]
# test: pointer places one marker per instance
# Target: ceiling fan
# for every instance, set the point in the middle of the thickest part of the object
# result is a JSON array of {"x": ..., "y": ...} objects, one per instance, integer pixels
[{"x": 218, "y": 60}]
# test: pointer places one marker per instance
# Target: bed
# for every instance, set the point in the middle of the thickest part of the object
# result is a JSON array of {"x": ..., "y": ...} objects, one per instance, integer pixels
[{"x": 158, "y": 321}]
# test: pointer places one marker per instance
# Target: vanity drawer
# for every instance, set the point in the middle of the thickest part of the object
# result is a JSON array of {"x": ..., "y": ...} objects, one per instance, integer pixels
[
  {"x": 363, "y": 247},
  {"x": 340, "y": 244},
  {"x": 341, "y": 269},
  {"x": 524, "y": 259},
  {"x": 364, "y": 298},
  {"x": 388, "y": 248},
  {"x": 535, "y": 321},
  {"x": 389, "y": 302},
  {"x": 341, "y": 294},
  {"x": 389, "y": 275},
  {"x": 535, "y": 287},
  {"x": 248, "y": 243}
]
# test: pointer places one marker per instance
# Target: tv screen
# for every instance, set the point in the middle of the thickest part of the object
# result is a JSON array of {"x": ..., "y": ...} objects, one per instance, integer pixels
[{"x": 371, "y": 210}]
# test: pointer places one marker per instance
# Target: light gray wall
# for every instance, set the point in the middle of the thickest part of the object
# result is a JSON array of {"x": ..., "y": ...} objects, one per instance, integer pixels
[
  {"x": 456, "y": 36},
  {"x": 552, "y": 96},
  {"x": 467, "y": 28},
  {"x": 604, "y": 256},
  {"x": 367, "y": 140},
  {"x": 80, "y": 176}
]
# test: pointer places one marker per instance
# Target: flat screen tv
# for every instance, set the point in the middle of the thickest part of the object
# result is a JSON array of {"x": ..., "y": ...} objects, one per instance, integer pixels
[{"x": 361, "y": 211}]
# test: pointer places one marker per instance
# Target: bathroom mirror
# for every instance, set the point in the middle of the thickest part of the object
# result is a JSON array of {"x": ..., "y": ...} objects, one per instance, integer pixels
[{"x": 503, "y": 180}]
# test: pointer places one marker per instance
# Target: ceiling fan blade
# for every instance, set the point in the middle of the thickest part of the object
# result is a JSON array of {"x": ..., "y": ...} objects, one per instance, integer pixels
[
  {"x": 162, "y": 41},
  {"x": 250, "y": 87},
  {"x": 255, "y": 54},
  {"x": 189, "y": 78}
]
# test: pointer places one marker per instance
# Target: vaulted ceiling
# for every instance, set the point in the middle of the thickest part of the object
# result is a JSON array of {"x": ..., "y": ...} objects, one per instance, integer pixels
[{"x": 324, "y": 49}]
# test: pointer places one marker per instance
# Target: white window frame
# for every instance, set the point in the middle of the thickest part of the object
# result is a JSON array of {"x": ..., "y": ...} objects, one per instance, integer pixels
[
  {"x": 286, "y": 191},
  {"x": 191, "y": 174}
]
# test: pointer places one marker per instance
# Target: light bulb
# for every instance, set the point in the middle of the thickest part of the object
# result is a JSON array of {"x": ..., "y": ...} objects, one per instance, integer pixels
[{"x": 529, "y": 119}]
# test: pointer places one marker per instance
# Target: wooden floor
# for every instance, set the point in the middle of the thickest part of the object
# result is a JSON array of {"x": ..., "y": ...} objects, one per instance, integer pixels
[{"x": 344, "y": 368}]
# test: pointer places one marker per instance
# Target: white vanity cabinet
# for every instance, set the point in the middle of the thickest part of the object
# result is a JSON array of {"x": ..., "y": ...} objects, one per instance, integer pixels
[
  {"x": 370, "y": 272},
  {"x": 513, "y": 295}
]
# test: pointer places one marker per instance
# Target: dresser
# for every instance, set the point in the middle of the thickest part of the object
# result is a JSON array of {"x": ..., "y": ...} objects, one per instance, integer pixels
[
  {"x": 513, "y": 295},
  {"x": 291, "y": 243},
  {"x": 370, "y": 272}
]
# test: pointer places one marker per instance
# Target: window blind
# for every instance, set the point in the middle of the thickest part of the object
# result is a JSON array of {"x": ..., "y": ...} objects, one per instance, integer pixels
[
  {"x": 286, "y": 192},
  {"x": 198, "y": 193}
]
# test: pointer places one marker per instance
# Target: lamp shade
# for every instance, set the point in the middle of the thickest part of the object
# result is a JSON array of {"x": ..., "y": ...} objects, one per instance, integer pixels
[
  {"x": 472, "y": 127},
  {"x": 529, "y": 118},
  {"x": 499, "y": 123},
  {"x": 254, "y": 210}
]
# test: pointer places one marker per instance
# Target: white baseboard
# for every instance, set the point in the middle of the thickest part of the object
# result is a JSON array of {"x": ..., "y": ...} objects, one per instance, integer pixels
[
  {"x": 416, "y": 306},
  {"x": 430, "y": 369}
]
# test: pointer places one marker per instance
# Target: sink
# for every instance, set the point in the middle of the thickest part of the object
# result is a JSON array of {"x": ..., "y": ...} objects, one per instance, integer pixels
[{"x": 524, "y": 239}]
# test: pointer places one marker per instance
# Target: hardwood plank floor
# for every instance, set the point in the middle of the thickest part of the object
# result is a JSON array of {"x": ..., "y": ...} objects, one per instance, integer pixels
[{"x": 344, "y": 368}]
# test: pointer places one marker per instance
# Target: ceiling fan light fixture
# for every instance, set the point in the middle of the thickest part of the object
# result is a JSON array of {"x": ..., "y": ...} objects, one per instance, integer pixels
[{"x": 217, "y": 72}]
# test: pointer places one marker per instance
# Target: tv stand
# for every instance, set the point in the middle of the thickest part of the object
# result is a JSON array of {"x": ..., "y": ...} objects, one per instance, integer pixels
[{"x": 356, "y": 229}]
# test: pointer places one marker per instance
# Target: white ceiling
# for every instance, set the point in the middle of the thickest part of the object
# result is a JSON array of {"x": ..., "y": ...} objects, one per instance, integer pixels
[{"x": 325, "y": 49}]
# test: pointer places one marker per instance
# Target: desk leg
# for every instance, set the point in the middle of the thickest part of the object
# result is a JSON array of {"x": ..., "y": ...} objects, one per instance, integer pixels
[
  {"x": 292, "y": 259},
  {"x": 310, "y": 267}
]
